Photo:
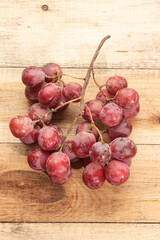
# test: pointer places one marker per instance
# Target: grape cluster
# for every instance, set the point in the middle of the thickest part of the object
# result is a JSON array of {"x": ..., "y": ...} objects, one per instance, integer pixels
[{"x": 105, "y": 155}]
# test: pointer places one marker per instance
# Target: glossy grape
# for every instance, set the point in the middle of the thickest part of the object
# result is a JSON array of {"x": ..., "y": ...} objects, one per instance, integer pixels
[
  {"x": 100, "y": 96},
  {"x": 58, "y": 165},
  {"x": 37, "y": 158},
  {"x": 111, "y": 114},
  {"x": 94, "y": 176},
  {"x": 117, "y": 172},
  {"x": 123, "y": 148},
  {"x": 61, "y": 102},
  {"x": 116, "y": 83},
  {"x": 132, "y": 111},
  {"x": 100, "y": 153},
  {"x": 86, "y": 126},
  {"x": 41, "y": 110},
  {"x": 82, "y": 143},
  {"x": 127, "y": 97},
  {"x": 49, "y": 95},
  {"x": 32, "y": 137},
  {"x": 52, "y": 70},
  {"x": 32, "y": 76},
  {"x": 62, "y": 180},
  {"x": 48, "y": 138},
  {"x": 71, "y": 91},
  {"x": 123, "y": 129},
  {"x": 95, "y": 107},
  {"x": 21, "y": 126},
  {"x": 31, "y": 93},
  {"x": 67, "y": 149}
]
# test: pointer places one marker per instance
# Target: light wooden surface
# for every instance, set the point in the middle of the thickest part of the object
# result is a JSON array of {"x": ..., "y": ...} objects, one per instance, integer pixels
[
  {"x": 68, "y": 34},
  {"x": 79, "y": 231}
]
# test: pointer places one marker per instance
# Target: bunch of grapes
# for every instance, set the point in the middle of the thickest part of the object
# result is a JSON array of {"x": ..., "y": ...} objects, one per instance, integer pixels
[{"x": 105, "y": 155}]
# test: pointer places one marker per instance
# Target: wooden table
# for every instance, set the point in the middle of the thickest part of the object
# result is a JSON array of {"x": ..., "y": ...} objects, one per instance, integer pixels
[{"x": 67, "y": 32}]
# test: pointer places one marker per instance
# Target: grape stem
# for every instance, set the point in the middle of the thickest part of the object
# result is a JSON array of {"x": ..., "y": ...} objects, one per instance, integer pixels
[{"x": 93, "y": 123}]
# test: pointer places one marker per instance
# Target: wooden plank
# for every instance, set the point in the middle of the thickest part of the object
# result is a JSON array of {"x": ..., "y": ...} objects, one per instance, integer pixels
[
  {"x": 69, "y": 32},
  {"x": 29, "y": 196},
  {"x": 80, "y": 231},
  {"x": 145, "y": 125}
]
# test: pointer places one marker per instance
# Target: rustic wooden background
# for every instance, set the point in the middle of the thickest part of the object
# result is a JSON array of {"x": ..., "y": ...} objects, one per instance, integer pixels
[{"x": 31, "y": 207}]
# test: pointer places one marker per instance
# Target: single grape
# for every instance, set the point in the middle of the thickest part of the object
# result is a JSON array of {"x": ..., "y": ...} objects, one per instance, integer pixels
[
  {"x": 100, "y": 96},
  {"x": 32, "y": 76},
  {"x": 52, "y": 70},
  {"x": 67, "y": 149},
  {"x": 94, "y": 176},
  {"x": 31, "y": 93},
  {"x": 131, "y": 111},
  {"x": 60, "y": 134},
  {"x": 71, "y": 91},
  {"x": 48, "y": 138},
  {"x": 40, "y": 110},
  {"x": 61, "y": 102},
  {"x": 86, "y": 161},
  {"x": 127, "y": 97},
  {"x": 117, "y": 172},
  {"x": 86, "y": 126},
  {"x": 111, "y": 114},
  {"x": 58, "y": 165},
  {"x": 116, "y": 83},
  {"x": 82, "y": 143},
  {"x": 49, "y": 95},
  {"x": 21, "y": 126},
  {"x": 95, "y": 107},
  {"x": 32, "y": 137},
  {"x": 123, "y": 129},
  {"x": 63, "y": 180},
  {"x": 123, "y": 148},
  {"x": 100, "y": 153},
  {"x": 106, "y": 138},
  {"x": 37, "y": 158}
]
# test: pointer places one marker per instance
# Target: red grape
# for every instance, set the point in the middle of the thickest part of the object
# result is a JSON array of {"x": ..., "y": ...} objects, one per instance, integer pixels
[
  {"x": 86, "y": 161},
  {"x": 63, "y": 180},
  {"x": 82, "y": 143},
  {"x": 37, "y": 158},
  {"x": 106, "y": 138},
  {"x": 94, "y": 176},
  {"x": 33, "y": 76},
  {"x": 31, "y": 138},
  {"x": 116, "y": 83},
  {"x": 86, "y": 126},
  {"x": 58, "y": 165},
  {"x": 71, "y": 91},
  {"x": 48, "y": 138},
  {"x": 100, "y": 153},
  {"x": 127, "y": 97},
  {"x": 123, "y": 129},
  {"x": 31, "y": 93},
  {"x": 49, "y": 95},
  {"x": 61, "y": 102},
  {"x": 21, "y": 126},
  {"x": 52, "y": 70},
  {"x": 132, "y": 111},
  {"x": 95, "y": 107},
  {"x": 67, "y": 149},
  {"x": 100, "y": 96},
  {"x": 41, "y": 110},
  {"x": 127, "y": 161},
  {"x": 117, "y": 172},
  {"x": 123, "y": 148},
  {"x": 111, "y": 114}
]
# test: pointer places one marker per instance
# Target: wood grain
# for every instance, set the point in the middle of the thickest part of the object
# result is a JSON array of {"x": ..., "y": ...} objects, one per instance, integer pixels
[
  {"x": 30, "y": 196},
  {"x": 69, "y": 32},
  {"x": 73, "y": 231},
  {"x": 146, "y": 82}
]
